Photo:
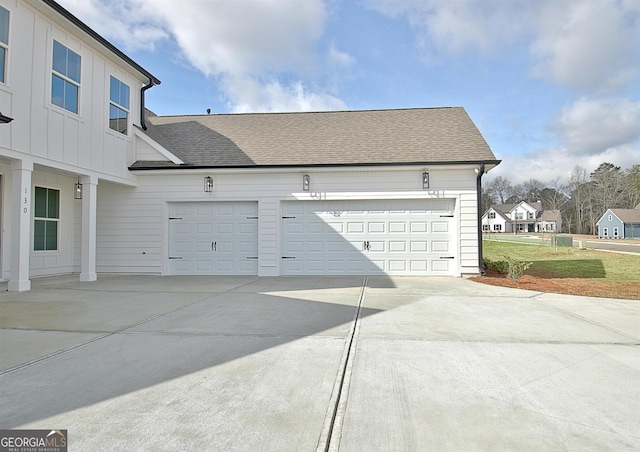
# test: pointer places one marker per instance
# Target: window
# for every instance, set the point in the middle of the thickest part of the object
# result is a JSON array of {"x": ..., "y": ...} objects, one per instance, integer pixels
[
  {"x": 485, "y": 228},
  {"x": 605, "y": 232},
  {"x": 530, "y": 215},
  {"x": 65, "y": 79},
  {"x": 610, "y": 217},
  {"x": 519, "y": 216},
  {"x": 4, "y": 43},
  {"x": 46, "y": 212},
  {"x": 615, "y": 232},
  {"x": 118, "y": 106},
  {"x": 492, "y": 215},
  {"x": 497, "y": 227}
]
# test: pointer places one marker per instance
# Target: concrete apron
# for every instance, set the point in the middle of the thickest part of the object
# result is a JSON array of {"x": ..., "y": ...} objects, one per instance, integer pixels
[{"x": 327, "y": 363}]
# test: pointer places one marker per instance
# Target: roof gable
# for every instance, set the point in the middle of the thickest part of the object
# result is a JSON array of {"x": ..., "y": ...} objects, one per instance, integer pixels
[{"x": 404, "y": 136}]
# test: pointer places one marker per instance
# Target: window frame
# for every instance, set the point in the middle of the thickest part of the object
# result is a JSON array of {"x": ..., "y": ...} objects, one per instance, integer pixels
[
  {"x": 497, "y": 227},
  {"x": 117, "y": 104},
  {"x": 48, "y": 219},
  {"x": 66, "y": 79},
  {"x": 492, "y": 215},
  {"x": 4, "y": 46}
]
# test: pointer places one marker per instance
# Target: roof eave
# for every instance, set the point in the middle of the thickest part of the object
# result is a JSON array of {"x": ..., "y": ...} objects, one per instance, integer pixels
[{"x": 316, "y": 165}]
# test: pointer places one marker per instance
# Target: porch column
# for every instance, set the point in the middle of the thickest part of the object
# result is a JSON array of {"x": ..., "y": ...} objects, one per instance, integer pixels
[
  {"x": 20, "y": 225},
  {"x": 89, "y": 210}
]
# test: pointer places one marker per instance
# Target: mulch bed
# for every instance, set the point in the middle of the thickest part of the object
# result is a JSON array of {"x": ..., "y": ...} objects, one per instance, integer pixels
[{"x": 541, "y": 282}]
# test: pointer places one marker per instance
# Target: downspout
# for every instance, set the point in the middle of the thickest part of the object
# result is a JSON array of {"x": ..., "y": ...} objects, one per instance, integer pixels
[
  {"x": 151, "y": 84},
  {"x": 479, "y": 190}
]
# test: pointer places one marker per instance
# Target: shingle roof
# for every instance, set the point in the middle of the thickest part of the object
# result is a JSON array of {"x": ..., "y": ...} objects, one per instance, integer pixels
[
  {"x": 404, "y": 136},
  {"x": 627, "y": 216},
  {"x": 550, "y": 215}
]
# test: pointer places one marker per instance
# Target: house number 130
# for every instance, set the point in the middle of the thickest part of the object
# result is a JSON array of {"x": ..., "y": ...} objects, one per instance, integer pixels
[{"x": 26, "y": 201}]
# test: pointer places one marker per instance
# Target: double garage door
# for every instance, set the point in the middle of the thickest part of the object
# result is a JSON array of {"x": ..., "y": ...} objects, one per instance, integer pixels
[
  {"x": 365, "y": 237},
  {"x": 369, "y": 237}
]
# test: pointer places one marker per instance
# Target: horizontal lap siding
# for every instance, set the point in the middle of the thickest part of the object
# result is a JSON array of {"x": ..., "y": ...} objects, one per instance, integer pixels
[
  {"x": 133, "y": 221},
  {"x": 469, "y": 232}
]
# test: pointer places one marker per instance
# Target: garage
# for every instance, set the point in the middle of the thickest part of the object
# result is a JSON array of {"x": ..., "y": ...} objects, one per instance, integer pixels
[
  {"x": 213, "y": 238},
  {"x": 369, "y": 237}
]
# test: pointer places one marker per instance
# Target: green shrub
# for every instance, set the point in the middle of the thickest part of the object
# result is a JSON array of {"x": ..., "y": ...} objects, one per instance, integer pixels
[
  {"x": 499, "y": 266},
  {"x": 516, "y": 268}
]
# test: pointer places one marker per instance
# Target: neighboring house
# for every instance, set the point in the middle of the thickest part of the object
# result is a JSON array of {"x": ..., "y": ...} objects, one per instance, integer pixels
[
  {"x": 620, "y": 224},
  {"x": 90, "y": 185},
  {"x": 521, "y": 217}
]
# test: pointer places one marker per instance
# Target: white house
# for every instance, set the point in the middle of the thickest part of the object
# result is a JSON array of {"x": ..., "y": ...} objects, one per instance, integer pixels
[
  {"x": 352, "y": 192},
  {"x": 521, "y": 217}
]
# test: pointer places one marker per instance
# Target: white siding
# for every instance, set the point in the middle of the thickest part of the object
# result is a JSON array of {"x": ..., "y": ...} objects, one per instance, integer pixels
[
  {"x": 133, "y": 222},
  {"x": 50, "y": 135}
]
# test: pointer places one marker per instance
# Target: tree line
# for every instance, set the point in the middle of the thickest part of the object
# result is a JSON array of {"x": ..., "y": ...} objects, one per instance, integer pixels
[{"x": 581, "y": 201}]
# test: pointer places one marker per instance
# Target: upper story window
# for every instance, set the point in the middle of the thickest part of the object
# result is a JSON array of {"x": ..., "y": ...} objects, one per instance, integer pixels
[
  {"x": 65, "y": 79},
  {"x": 519, "y": 216},
  {"x": 492, "y": 215},
  {"x": 4, "y": 43},
  {"x": 610, "y": 217},
  {"x": 118, "y": 106},
  {"x": 46, "y": 215},
  {"x": 530, "y": 215}
]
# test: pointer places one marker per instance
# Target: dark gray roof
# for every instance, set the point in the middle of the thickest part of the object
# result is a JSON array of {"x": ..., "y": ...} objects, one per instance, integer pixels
[
  {"x": 371, "y": 137},
  {"x": 627, "y": 216},
  {"x": 506, "y": 208}
]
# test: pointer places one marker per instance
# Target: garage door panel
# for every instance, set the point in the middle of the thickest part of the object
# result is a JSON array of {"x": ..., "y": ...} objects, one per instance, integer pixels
[
  {"x": 440, "y": 246},
  {"x": 440, "y": 226},
  {"x": 418, "y": 226},
  {"x": 419, "y": 265},
  {"x": 397, "y": 227},
  {"x": 441, "y": 266}
]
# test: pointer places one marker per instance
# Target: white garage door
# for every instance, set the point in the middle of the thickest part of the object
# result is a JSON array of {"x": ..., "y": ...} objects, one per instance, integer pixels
[
  {"x": 369, "y": 237},
  {"x": 213, "y": 238}
]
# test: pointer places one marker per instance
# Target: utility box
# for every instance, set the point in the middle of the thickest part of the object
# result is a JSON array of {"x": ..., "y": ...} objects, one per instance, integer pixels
[{"x": 565, "y": 240}]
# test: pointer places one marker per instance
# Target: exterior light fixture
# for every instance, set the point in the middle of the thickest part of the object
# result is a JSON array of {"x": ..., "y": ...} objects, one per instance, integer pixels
[
  {"x": 77, "y": 190},
  {"x": 208, "y": 184},
  {"x": 306, "y": 182},
  {"x": 5, "y": 119},
  {"x": 425, "y": 180}
]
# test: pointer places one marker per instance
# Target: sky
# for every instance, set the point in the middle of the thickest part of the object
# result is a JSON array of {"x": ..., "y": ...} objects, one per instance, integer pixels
[{"x": 550, "y": 84}]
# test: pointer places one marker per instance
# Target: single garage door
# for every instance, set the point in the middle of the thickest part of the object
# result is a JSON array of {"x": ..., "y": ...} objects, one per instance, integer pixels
[
  {"x": 213, "y": 238},
  {"x": 403, "y": 237}
]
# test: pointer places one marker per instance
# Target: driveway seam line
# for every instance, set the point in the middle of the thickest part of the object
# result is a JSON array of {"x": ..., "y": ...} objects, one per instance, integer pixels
[{"x": 332, "y": 425}]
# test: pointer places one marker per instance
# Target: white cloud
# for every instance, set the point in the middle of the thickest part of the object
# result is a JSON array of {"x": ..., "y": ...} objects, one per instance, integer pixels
[
  {"x": 247, "y": 94},
  {"x": 235, "y": 41},
  {"x": 247, "y": 36},
  {"x": 592, "y": 127},
  {"x": 587, "y": 46},
  {"x": 126, "y": 22},
  {"x": 549, "y": 164}
]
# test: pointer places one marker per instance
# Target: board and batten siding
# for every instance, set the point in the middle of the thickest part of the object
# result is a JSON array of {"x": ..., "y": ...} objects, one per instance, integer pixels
[
  {"x": 52, "y": 136},
  {"x": 132, "y": 222}
]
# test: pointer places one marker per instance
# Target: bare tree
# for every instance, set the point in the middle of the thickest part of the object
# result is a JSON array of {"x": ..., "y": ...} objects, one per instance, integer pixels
[
  {"x": 579, "y": 197},
  {"x": 499, "y": 189}
]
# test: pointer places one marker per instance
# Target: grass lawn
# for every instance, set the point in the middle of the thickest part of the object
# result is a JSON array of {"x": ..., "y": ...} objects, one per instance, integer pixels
[{"x": 570, "y": 270}]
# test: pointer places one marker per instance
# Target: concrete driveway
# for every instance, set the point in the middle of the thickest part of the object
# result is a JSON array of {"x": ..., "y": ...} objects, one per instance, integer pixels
[{"x": 322, "y": 363}]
